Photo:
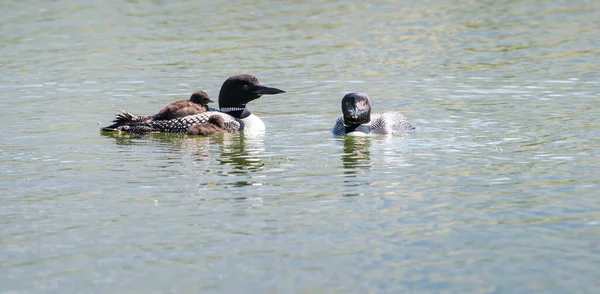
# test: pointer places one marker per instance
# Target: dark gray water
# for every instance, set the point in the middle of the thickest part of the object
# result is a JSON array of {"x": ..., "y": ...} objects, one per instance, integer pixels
[{"x": 496, "y": 192}]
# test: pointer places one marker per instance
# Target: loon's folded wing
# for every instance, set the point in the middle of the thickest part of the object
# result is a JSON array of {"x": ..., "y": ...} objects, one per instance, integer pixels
[
  {"x": 390, "y": 123},
  {"x": 179, "y": 125}
]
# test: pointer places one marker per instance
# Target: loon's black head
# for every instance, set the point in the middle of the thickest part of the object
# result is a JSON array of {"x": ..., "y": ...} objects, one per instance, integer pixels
[
  {"x": 238, "y": 90},
  {"x": 356, "y": 108},
  {"x": 200, "y": 97}
]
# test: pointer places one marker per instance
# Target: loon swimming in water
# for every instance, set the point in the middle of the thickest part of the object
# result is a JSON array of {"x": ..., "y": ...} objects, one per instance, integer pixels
[
  {"x": 357, "y": 119},
  {"x": 214, "y": 125},
  {"x": 198, "y": 103},
  {"x": 235, "y": 93}
]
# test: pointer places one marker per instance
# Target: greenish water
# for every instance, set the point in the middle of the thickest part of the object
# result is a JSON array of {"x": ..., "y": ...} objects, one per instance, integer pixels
[{"x": 496, "y": 192}]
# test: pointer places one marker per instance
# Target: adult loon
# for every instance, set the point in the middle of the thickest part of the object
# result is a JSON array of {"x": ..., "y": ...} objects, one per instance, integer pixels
[
  {"x": 198, "y": 103},
  {"x": 357, "y": 120},
  {"x": 235, "y": 93}
]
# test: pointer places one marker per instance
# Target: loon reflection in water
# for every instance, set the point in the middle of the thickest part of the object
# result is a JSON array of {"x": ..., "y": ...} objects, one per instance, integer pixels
[
  {"x": 242, "y": 152},
  {"x": 356, "y": 163}
]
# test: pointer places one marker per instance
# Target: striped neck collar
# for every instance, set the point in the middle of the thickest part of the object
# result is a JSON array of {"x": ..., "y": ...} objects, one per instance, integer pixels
[
  {"x": 230, "y": 109},
  {"x": 237, "y": 112}
]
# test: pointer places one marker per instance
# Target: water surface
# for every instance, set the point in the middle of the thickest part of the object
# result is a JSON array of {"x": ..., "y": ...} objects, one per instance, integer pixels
[{"x": 494, "y": 193}]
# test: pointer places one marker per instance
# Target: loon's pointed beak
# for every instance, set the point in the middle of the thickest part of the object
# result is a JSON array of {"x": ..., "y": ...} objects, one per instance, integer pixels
[
  {"x": 210, "y": 100},
  {"x": 354, "y": 112},
  {"x": 262, "y": 90}
]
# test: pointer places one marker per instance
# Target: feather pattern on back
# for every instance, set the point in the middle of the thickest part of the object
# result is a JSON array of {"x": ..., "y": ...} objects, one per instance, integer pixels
[
  {"x": 179, "y": 125},
  {"x": 387, "y": 123}
]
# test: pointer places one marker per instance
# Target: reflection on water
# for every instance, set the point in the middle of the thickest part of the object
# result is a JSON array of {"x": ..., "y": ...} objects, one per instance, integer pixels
[
  {"x": 356, "y": 155},
  {"x": 175, "y": 142},
  {"x": 243, "y": 153},
  {"x": 356, "y": 162},
  {"x": 240, "y": 151}
]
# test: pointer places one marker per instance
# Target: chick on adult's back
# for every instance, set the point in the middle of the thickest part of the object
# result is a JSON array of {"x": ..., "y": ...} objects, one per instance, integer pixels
[
  {"x": 357, "y": 119},
  {"x": 198, "y": 103},
  {"x": 214, "y": 125}
]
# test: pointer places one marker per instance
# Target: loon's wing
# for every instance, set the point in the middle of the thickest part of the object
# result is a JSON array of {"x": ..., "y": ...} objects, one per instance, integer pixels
[
  {"x": 390, "y": 123},
  {"x": 338, "y": 128},
  {"x": 179, "y": 125},
  {"x": 123, "y": 117}
]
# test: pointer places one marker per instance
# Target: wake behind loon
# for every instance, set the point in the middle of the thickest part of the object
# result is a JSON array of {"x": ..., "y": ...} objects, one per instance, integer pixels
[
  {"x": 357, "y": 120},
  {"x": 235, "y": 93}
]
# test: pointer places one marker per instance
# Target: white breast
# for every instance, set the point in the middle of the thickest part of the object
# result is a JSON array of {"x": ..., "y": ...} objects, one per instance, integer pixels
[{"x": 253, "y": 124}]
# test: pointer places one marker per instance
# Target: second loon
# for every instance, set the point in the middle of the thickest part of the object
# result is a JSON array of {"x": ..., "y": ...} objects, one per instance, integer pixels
[
  {"x": 357, "y": 120},
  {"x": 235, "y": 93}
]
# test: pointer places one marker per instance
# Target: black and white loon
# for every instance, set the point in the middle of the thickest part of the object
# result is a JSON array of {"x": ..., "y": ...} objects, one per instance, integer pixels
[
  {"x": 357, "y": 120},
  {"x": 235, "y": 93}
]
